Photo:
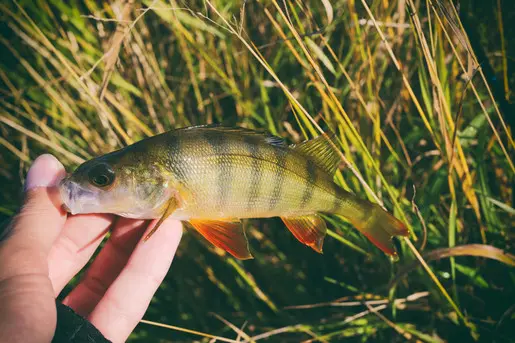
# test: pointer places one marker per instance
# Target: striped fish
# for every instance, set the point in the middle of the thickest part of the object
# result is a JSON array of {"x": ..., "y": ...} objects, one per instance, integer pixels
[{"x": 213, "y": 176}]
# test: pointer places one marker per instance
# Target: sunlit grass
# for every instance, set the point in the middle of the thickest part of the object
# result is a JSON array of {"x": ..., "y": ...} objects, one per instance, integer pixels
[{"x": 418, "y": 132}]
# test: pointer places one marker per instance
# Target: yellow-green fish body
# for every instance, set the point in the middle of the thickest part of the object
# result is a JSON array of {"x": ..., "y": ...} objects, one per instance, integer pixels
[{"x": 214, "y": 176}]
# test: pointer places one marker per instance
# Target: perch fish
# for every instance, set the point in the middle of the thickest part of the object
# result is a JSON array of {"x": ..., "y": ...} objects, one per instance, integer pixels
[{"x": 213, "y": 176}]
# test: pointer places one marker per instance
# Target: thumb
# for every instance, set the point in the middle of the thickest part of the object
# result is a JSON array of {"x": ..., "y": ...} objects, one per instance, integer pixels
[
  {"x": 26, "y": 293},
  {"x": 41, "y": 217}
]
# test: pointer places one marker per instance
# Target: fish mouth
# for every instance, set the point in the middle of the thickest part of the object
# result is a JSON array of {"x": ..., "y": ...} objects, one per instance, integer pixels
[
  {"x": 66, "y": 208},
  {"x": 74, "y": 196}
]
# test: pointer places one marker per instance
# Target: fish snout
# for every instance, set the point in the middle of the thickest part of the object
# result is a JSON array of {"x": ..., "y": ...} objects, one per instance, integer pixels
[
  {"x": 78, "y": 199},
  {"x": 72, "y": 194},
  {"x": 65, "y": 190}
]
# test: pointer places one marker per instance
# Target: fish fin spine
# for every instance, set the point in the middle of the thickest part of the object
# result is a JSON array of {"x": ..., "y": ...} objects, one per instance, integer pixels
[{"x": 262, "y": 135}]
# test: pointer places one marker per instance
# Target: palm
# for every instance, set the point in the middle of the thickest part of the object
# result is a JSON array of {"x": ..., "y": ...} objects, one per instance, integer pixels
[{"x": 46, "y": 249}]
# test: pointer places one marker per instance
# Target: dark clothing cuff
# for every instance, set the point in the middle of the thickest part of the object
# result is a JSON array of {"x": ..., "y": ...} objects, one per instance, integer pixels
[{"x": 74, "y": 328}]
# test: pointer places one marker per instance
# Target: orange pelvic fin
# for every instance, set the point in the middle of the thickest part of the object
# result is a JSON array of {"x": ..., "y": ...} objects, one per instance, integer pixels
[
  {"x": 170, "y": 208},
  {"x": 309, "y": 230},
  {"x": 227, "y": 235}
]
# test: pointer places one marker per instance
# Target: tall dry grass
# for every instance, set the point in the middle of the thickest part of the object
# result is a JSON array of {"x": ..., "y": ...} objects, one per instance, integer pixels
[{"x": 420, "y": 132}]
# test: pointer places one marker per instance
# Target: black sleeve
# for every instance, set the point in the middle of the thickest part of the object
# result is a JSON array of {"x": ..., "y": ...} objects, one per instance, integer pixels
[{"x": 73, "y": 328}]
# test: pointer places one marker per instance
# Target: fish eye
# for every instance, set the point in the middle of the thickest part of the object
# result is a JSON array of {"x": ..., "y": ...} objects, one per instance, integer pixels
[{"x": 101, "y": 175}]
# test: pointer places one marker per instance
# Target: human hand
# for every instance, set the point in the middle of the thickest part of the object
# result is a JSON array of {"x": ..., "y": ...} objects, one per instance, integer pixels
[{"x": 46, "y": 248}]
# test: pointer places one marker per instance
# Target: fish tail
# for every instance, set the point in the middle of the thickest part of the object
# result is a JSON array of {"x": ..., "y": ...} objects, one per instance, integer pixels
[{"x": 374, "y": 222}]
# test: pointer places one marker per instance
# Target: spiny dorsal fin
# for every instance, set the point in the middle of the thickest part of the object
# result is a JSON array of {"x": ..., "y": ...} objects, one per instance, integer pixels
[
  {"x": 227, "y": 235},
  {"x": 321, "y": 150},
  {"x": 258, "y": 134}
]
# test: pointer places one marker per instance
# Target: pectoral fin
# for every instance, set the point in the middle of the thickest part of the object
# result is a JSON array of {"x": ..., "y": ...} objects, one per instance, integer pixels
[
  {"x": 309, "y": 230},
  {"x": 170, "y": 208},
  {"x": 227, "y": 235}
]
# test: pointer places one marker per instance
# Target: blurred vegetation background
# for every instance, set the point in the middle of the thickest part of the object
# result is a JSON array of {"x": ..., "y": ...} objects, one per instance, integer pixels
[{"x": 419, "y": 92}]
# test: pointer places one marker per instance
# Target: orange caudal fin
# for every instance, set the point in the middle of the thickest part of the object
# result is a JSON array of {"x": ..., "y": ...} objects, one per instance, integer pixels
[
  {"x": 227, "y": 235},
  {"x": 380, "y": 227},
  {"x": 309, "y": 230}
]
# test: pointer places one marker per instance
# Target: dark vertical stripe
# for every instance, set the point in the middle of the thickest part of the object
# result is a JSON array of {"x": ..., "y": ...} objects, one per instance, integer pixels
[
  {"x": 280, "y": 156},
  {"x": 176, "y": 162},
  {"x": 337, "y": 202},
  {"x": 220, "y": 146},
  {"x": 311, "y": 169},
  {"x": 256, "y": 174}
]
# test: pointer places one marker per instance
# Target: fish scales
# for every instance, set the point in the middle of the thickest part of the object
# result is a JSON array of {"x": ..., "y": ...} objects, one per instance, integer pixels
[
  {"x": 222, "y": 171},
  {"x": 214, "y": 176},
  {"x": 256, "y": 177}
]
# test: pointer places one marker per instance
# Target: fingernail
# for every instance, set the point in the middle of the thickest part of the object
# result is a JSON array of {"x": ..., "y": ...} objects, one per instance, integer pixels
[{"x": 46, "y": 171}]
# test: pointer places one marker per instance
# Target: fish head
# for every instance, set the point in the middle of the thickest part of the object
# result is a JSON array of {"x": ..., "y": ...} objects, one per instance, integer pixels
[{"x": 122, "y": 185}]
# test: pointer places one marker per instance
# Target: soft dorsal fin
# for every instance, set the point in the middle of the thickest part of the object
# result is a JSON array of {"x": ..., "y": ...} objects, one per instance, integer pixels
[
  {"x": 227, "y": 235},
  {"x": 321, "y": 150}
]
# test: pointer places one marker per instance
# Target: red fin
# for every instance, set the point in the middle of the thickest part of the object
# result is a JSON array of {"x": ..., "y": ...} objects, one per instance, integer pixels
[
  {"x": 309, "y": 230},
  {"x": 228, "y": 236},
  {"x": 382, "y": 240},
  {"x": 380, "y": 226}
]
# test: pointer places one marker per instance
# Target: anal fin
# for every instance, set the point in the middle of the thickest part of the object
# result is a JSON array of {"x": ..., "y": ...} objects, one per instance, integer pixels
[
  {"x": 227, "y": 235},
  {"x": 309, "y": 230}
]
